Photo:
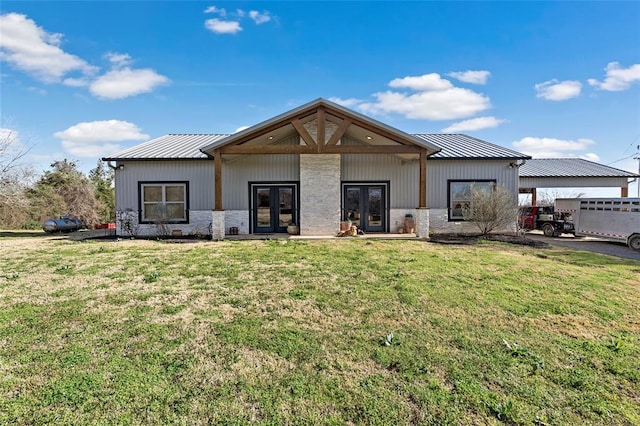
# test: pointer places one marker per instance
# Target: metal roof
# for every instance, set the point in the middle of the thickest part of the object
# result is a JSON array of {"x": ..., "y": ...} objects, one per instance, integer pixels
[
  {"x": 459, "y": 146},
  {"x": 189, "y": 146},
  {"x": 169, "y": 147},
  {"x": 569, "y": 167}
]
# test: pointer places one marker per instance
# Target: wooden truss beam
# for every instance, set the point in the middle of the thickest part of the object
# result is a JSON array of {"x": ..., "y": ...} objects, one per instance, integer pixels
[
  {"x": 340, "y": 131},
  {"x": 321, "y": 128},
  {"x": 329, "y": 149},
  {"x": 302, "y": 131}
]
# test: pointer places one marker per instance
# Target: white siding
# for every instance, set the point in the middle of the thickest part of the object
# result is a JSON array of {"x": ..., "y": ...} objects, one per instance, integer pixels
[
  {"x": 237, "y": 173},
  {"x": 404, "y": 176},
  {"x": 199, "y": 174},
  {"x": 439, "y": 172}
]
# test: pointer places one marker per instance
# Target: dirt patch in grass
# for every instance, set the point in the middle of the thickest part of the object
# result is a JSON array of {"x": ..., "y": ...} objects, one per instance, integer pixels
[{"x": 463, "y": 239}]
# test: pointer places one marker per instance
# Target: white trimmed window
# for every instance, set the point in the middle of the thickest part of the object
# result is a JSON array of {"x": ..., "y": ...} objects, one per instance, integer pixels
[
  {"x": 460, "y": 195},
  {"x": 164, "y": 201}
]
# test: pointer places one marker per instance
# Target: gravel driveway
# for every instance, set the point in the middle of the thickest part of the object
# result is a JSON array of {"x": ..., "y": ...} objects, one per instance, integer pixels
[{"x": 588, "y": 244}]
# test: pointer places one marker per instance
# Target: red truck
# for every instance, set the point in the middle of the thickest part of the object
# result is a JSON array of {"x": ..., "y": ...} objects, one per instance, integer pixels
[{"x": 546, "y": 219}]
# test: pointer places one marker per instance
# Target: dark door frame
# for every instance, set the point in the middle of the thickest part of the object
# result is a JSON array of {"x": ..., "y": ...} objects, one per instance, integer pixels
[
  {"x": 386, "y": 199},
  {"x": 253, "y": 186}
]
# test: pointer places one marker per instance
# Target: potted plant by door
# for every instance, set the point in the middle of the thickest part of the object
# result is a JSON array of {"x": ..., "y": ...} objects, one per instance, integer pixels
[
  {"x": 409, "y": 224},
  {"x": 293, "y": 229}
]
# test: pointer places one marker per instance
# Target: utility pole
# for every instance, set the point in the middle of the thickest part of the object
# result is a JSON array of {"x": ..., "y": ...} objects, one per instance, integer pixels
[{"x": 637, "y": 157}]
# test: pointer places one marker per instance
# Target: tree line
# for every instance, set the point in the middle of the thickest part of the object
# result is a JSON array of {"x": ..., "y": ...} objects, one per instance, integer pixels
[{"x": 27, "y": 199}]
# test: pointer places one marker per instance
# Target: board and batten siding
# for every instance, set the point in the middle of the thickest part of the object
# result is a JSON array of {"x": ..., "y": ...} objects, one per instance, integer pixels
[
  {"x": 403, "y": 175},
  {"x": 439, "y": 172},
  {"x": 199, "y": 174},
  {"x": 238, "y": 172}
]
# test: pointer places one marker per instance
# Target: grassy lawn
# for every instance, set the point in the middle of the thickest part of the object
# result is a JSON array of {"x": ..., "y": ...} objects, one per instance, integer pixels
[{"x": 334, "y": 332}]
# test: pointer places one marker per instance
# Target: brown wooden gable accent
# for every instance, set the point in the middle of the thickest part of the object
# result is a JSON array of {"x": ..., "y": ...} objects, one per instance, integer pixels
[{"x": 321, "y": 113}]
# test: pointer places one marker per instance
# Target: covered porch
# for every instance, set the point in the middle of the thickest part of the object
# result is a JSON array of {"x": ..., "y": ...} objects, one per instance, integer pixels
[{"x": 333, "y": 176}]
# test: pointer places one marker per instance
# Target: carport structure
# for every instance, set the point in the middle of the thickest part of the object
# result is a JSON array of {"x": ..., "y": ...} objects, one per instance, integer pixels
[{"x": 571, "y": 173}]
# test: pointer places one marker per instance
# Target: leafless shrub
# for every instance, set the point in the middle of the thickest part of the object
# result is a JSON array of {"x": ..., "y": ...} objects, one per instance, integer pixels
[{"x": 491, "y": 210}]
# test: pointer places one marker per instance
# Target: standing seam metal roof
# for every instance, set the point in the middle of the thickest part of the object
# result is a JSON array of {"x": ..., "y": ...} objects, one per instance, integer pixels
[
  {"x": 459, "y": 146},
  {"x": 169, "y": 147},
  {"x": 569, "y": 167},
  {"x": 188, "y": 146}
]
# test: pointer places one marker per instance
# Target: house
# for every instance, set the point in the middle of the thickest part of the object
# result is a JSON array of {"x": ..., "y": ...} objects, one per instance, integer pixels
[{"x": 316, "y": 165}]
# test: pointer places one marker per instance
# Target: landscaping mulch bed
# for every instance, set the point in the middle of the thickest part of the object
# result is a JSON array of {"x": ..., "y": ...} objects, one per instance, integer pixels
[{"x": 473, "y": 239}]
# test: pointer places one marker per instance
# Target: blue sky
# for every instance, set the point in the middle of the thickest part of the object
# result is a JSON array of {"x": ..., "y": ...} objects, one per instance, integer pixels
[{"x": 81, "y": 80}]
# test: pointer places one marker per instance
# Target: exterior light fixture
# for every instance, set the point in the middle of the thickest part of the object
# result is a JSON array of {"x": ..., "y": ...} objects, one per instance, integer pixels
[
  {"x": 270, "y": 138},
  {"x": 369, "y": 137}
]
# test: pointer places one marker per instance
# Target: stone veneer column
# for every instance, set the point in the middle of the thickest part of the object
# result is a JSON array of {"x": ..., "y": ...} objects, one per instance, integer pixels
[
  {"x": 217, "y": 225},
  {"x": 422, "y": 223},
  {"x": 319, "y": 194}
]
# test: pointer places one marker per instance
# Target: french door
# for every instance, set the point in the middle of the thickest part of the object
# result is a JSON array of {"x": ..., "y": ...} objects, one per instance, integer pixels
[
  {"x": 274, "y": 208},
  {"x": 366, "y": 206}
]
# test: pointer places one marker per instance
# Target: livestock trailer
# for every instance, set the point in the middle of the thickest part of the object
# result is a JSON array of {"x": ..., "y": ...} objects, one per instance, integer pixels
[{"x": 613, "y": 219}]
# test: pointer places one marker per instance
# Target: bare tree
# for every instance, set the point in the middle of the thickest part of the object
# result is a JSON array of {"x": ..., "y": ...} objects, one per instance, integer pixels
[
  {"x": 15, "y": 178},
  {"x": 548, "y": 197},
  {"x": 491, "y": 210}
]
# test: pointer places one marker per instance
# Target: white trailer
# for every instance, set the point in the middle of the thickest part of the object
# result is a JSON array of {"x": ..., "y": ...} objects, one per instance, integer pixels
[{"x": 613, "y": 219}]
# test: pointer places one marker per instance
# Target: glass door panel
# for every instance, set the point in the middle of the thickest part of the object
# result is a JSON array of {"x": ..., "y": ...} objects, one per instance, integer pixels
[
  {"x": 352, "y": 205},
  {"x": 366, "y": 207},
  {"x": 285, "y": 209},
  {"x": 273, "y": 208},
  {"x": 263, "y": 208},
  {"x": 374, "y": 207}
]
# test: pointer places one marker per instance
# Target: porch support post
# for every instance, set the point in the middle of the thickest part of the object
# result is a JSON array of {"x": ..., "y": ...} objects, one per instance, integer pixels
[
  {"x": 423, "y": 179},
  {"x": 534, "y": 197},
  {"x": 422, "y": 212},
  {"x": 218, "y": 215},
  {"x": 217, "y": 156}
]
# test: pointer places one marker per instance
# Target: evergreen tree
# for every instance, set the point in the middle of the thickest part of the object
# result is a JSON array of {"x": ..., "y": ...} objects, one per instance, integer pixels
[
  {"x": 101, "y": 178},
  {"x": 64, "y": 190}
]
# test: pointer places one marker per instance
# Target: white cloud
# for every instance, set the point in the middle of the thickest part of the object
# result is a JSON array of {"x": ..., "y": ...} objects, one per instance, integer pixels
[
  {"x": 349, "y": 102},
  {"x": 554, "y": 90},
  {"x": 474, "y": 124},
  {"x": 118, "y": 60},
  {"x": 241, "y": 128},
  {"x": 259, "y": 18},
  {"x": 474, "y": 77},
  {"x": 424, "y": 82},
  {"x": 76, "y": 82},
  {"x": 96, "y": 138},
  {"x": 214, "y": 9},
  {"x": 617, "y": 79},
  {"x": 591, "y": 156},
  {"x": 222, "y": 27},
  {"x": 121, "y": 83},
  {"x": 447, "y": 104},
  {"x": 551, "y": 147},
  {"x": 30, "y": 48},
  {"x": 436, "y": 98}
]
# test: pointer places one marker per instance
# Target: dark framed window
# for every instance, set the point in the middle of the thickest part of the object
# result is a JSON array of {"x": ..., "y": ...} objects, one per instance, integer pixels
[
  {"x": 166, "y": 202},
  {"x": 460, "y": 195}
]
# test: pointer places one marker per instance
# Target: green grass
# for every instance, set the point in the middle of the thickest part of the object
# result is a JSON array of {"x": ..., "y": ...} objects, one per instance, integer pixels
[{"x": 273, "y": 332}]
